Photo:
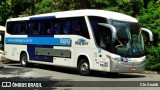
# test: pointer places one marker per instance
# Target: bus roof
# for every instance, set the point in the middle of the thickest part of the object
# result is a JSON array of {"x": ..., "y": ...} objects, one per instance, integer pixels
[
  {"x": 2, "y": 28},
  {"x": 83, "y": 12}
]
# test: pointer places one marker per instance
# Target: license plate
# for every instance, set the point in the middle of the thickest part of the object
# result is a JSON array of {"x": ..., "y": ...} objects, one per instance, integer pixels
[{"x": 132, "y": 69}]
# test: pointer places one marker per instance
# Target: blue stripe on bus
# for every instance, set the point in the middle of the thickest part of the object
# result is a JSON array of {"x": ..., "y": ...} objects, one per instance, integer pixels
[
  {"x": 32, "y": 53},
  {"x": 40, "y": 41},
  {"x": 34, "y": 57},
  {"x": 42, "y": 17},
  {"x": 44, "y": 42}
]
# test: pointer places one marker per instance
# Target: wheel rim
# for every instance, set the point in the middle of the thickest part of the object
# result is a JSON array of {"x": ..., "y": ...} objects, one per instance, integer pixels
[
  {"x": 24, "y": 60},
  {"x": 84, "y": 67}
]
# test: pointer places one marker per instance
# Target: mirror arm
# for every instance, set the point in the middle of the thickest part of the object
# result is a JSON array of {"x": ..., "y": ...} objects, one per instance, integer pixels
[
  {"x": 149, "y": 32},
  {"x": 113, "y": 29}
]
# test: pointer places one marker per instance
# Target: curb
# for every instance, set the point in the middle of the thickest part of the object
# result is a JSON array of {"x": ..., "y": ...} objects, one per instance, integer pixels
[{"x": 151, "y": 72}]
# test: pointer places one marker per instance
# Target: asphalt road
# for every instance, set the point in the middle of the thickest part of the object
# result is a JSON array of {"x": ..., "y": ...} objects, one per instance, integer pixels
[{"x": 51, "y": 78}]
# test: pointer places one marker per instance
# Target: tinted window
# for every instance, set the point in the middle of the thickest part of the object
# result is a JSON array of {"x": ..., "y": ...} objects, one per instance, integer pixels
[
  {"x": 94, "y": 22},
  {"x": 79, "y": 27},
  {"x": 72, "y": 26},
  {"x": 102, "y": 34}
]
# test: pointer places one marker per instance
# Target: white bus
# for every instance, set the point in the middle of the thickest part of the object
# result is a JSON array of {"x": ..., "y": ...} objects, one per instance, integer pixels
[{"x": 84, "y": 39}]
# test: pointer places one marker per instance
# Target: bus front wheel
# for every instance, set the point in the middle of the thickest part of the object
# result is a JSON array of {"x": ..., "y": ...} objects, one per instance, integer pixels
[
  {"x": 83, "y": 67},
  {"x": 24, "y": 59}
]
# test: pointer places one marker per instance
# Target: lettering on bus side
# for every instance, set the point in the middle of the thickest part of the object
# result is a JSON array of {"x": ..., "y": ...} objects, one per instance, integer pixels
[
  {"x": 81, "y": 42},
  {"x": 65, "y": 41}
]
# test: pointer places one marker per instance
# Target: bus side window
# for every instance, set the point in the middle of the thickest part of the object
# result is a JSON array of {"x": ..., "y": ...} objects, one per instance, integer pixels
[
  {"x": 26, "y": 28},
  {"x": 51, "y": 30},
  {"x": 34, "y": 28},
  {"x": 10, "y": 27},
  {"x": 42, "y": 25},
  {"x": 57, "y": 28},
  {"x": 39, "y": 27},
  {"x": 19, "y": 28},
  {"x": 74, "y": 25},
  {"x": 94, "y": 22},
  {"x": 15, "y": 29},
  {"x": 66, "y": 27},
  {"x": 94, "y": 25},
  {"x": 31, "y": 28},
  {"x": 79, "y": 27},
  {"x": 85, "y": 32},
  {"x": 22, "y": 30}
]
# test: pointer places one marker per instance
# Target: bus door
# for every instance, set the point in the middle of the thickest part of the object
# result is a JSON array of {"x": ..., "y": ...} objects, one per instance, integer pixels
[{"x": 104, "y": 37}]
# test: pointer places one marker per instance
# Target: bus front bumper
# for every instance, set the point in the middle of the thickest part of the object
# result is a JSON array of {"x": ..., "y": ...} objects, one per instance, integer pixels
[{"x": 127, "y": 67}]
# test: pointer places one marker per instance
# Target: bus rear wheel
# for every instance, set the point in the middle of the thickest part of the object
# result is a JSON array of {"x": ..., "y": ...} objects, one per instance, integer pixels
[
  {"x": 83, "y": 67},
  {"x": 24, "y": 59}
]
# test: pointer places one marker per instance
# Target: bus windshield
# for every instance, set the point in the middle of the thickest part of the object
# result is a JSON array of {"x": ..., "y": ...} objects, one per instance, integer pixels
[{"x": 129, "y": 41}]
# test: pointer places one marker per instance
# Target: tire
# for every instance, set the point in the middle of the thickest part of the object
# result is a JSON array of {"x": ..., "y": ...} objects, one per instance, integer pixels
[
  {"x": 83, "y": 67},
  {"x": 24, "y": 60}
]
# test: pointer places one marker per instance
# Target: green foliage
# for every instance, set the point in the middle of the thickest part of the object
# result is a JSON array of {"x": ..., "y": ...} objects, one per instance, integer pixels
[
  {"x": 23, "y": 7},
  {"x": 149, "y": 18},
  {"x": 153, "y": 62},
  {"x": 6, "y": 11},
  {"x": 47, "y": 6},
  {"x": 130, "y": 7}
]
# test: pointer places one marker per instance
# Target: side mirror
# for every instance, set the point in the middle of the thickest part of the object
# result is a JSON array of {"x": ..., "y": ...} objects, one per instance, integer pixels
[
  {"x": 148, "y": 33},
  {"x": 113, "y": 29},
  {"x": 150, "y": 37}
]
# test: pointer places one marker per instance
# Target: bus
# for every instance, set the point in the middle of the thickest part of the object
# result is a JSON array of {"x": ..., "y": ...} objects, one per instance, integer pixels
[
  {"x": 86, "y": 40},
  {"x": 2, "y": 30}
]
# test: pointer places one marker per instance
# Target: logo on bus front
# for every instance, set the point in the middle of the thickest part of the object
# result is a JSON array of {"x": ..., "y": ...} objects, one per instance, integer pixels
[
  {"x": 81, "y": 42},
  {"x": 123, "y": 59}
]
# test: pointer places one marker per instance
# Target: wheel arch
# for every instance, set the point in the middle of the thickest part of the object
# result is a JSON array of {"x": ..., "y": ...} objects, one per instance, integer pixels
[
  {"x": 85, "y": 56},
  {"x": 23, "y": 51}
]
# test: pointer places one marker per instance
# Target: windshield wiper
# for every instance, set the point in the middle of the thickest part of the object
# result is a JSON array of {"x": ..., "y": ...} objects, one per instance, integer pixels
[
  {"x": 132, "y": 48},
  {"x": 137, "y": 48},
  {"x": 128, "y": 48}
]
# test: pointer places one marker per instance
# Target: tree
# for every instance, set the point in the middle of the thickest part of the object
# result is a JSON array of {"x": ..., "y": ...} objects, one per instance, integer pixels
[
  {"x": 6, "y": 11},
  {"x": 130, "y": 7},
  {"x": 23, "y": 7},
  {"x": 149, "y": 17},
  {"x": 47, "y": 6}
]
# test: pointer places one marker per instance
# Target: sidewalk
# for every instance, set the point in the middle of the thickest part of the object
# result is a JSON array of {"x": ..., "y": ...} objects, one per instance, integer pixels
[{"x": 151, "y": 72}]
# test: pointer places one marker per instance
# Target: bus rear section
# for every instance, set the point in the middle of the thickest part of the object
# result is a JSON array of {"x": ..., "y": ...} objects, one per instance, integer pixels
[{"x": 2, "y": 32}]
